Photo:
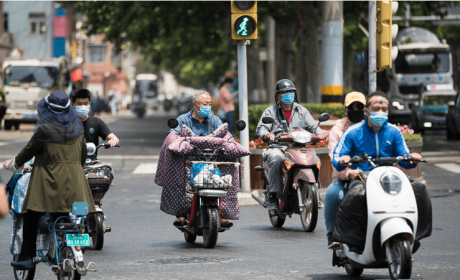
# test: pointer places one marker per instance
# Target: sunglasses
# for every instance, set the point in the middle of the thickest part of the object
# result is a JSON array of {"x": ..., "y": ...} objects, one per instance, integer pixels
[{"x": 359, "y": 106}]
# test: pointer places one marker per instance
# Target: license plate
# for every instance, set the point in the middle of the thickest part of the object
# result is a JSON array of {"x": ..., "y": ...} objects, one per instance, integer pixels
[
  {"x": 78, "y": 239},
  {"x": 29, "y": 116}
]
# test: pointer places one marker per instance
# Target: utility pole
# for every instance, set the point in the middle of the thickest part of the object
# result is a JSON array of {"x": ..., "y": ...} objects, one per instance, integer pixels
[
  {"x": 243, "y": 106},
  {"x": 332, "y": 53},
  {"x": 407, "y": 15},
  {"x": 372, "y": 46}
]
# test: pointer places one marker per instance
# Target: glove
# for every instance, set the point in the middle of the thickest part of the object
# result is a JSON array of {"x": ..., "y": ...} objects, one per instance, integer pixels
[{"x": 11, "y": 166}]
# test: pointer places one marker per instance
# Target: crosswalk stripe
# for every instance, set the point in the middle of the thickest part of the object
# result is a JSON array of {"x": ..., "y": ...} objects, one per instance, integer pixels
[
  {"x": 146, "y": 168},
  {"x": 452, "y": 167}
]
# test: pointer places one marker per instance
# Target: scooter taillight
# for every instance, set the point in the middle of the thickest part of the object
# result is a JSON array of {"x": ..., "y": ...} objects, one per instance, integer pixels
[{"x": 318, "y": 165}]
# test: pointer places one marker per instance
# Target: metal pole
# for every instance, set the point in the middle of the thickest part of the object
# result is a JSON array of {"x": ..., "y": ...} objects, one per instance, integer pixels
[
  {"x": 243, "y": 100},
  {"x": 372, "y": 46}
]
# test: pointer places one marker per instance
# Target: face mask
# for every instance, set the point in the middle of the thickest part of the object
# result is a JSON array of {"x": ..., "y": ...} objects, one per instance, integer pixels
[
  {"x": 82, "y": 111},
  {"x": 379, "y": 118},
  {"x": 204, "y": 111},
  {"x": 287, "y": 98},
  {"x": 355, "y": 116}
]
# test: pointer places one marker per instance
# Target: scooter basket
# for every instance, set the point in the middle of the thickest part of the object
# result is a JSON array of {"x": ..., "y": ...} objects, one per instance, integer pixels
[
  {"x": 206, "y": 175},
  {"x": 100, "y": 180}
]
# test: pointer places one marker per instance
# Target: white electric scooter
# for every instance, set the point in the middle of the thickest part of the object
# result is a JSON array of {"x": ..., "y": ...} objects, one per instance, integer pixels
[{"x": 391, "y": 221}]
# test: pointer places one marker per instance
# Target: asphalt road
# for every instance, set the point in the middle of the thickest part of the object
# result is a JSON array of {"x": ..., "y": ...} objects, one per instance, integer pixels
[{"x": 144, "y": 244}]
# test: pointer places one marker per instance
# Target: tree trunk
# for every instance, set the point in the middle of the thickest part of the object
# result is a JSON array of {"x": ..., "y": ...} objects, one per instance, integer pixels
[
  {"x": 309, "y": 21},
  {"x": 284, "y": 55}
]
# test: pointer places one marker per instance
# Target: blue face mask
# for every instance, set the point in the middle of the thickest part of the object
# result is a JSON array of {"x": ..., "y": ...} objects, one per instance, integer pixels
[
  {"x": 204, "y": 111},
  {"x": 287, "y": 98},
  {"x": 82, "y": 111},
  {"x": 379, "y": 118}
]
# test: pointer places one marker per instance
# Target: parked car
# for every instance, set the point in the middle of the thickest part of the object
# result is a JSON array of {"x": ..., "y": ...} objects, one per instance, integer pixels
[
  {"x": 453, "y": 119},
  {"x": 429, "y": 112}
]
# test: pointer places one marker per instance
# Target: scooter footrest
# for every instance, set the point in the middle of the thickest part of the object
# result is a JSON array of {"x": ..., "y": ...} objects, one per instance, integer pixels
[{"x": 258, "y": 168}]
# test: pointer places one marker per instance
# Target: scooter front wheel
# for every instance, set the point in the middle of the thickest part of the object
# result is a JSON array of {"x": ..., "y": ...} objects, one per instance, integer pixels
[
  {"x": 309, "y": 213},
  {"x": 23, "y": 274},
  {"x": 401, "y": 265},
  {"x": 210, "y": 231}
]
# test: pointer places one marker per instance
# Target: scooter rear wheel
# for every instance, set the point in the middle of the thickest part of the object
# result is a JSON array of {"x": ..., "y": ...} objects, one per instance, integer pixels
[
  {"x": 23, "y": 274},
  {"x": 401, "y": 267},
  {"x": 276, "y": 220},
  {"x": 189, "y": 237},
  {"x": 309, "y": 215},
  {"x": 353, "y": 271},
  {"x": 67, "y": 253},
  {"x": 97, "y": 231}
]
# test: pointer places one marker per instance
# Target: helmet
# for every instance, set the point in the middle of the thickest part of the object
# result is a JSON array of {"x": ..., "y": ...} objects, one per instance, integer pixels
[{"x": 284, "y": 85}]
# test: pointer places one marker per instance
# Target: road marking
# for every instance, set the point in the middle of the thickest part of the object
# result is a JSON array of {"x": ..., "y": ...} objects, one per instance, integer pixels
[
  {"x": 452, "y": 167},
  {"x": 440, "y": 153},
  {"x": 146, "y": 168}
]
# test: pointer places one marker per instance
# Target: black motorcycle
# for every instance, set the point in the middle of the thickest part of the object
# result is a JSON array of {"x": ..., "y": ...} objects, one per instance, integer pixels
[{"x": 100, "y": 177}]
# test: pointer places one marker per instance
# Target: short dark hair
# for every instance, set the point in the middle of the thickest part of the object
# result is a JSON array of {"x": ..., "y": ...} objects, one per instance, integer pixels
[
  {"x": 228, "y": 80},
  {"x": 375, "y": 93},
  {"x": 80, "y": 93}
]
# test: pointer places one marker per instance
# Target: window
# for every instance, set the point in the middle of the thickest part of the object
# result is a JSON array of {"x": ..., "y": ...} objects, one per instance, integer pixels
[
  {"x": 37, "y": 23},
  {"x": 5, "y": 22},
  {"x": 115, "y": 59},
  {"x": 96, "y": 53}
]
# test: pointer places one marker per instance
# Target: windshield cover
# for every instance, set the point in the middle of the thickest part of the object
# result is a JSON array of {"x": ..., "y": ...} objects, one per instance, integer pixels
[
  {"x": 33, "y": 76},
  {"x": 437, "y": 99},
  {"x": 421, "y": 63}
]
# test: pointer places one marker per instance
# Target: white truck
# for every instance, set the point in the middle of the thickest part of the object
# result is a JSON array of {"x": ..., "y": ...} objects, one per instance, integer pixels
[
  {"x": 25, "y": 82},
  {"x": 422, "y": 59}
]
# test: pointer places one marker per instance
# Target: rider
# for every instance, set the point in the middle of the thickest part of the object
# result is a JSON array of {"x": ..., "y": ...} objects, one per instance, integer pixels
[
  {"x": 354, "y": 113},
  {"x": 57, "y": 179},
  {"x": 94, "y": 127},
  {"x": 296, "y": 116},
  {"x": 200, "y": 121},
  {"x": 375, "y": 136}
]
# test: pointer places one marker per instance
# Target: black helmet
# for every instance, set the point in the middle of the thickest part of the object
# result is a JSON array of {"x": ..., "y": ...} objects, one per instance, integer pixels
[{"x": 284, "y": 85}]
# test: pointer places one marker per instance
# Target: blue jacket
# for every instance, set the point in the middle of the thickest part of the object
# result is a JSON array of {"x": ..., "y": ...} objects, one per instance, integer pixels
[
  {"x": 209, "y": 124},
  {"x": 361, "y": 138}
]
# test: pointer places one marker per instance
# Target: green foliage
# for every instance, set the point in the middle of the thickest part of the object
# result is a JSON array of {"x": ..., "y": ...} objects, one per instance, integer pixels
[
  {"x": 408, "y": 137},
  {"x": 255, "y": 112}
]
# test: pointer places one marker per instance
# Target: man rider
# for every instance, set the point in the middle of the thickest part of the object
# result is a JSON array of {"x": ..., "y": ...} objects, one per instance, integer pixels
[
  {"x": 200, "y": 121},
  {"x": 354, "y": 113},
  {"x": 94, "y": 127},
  {"x": 375, "y": 136},
  {"x": 296, "y": 116}
]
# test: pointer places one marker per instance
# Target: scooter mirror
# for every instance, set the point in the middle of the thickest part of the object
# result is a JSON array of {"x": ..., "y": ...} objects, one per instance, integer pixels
[
  {"x": 173, "y": 123},
  {"x": 240, "y": 125},
  {"x": 267, "y": 120},
  {"x": 324, "y": 117},
  {"x": 90, "y": 149}
]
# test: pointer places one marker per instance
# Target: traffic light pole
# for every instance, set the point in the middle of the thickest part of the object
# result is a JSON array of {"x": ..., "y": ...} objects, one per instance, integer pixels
[
  {"x": 243, "y": 104},
  {"x": 372, "y": 46}
]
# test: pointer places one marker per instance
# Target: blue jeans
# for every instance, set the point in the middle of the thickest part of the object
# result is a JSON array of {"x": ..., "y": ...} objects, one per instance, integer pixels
[
  {"x": 334, "y": 195},
  {"x": 229, "y": 120}
]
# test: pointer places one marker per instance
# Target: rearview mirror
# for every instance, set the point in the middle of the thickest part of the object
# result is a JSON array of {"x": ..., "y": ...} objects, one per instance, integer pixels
[
  {"x": 240, "y": 125},
  {"x": 173, "y": 123},
  {"x": 267, "y": 120},
  {"x": 324, "y": 117},
  {"x": 90, "y": 149}
]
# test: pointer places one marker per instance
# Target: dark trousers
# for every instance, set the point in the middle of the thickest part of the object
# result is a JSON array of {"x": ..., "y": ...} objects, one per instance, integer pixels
[
  {"x": 229, "y": 120},
  {"x": 29, "y": 244},
  {"x": 2, "y": 113}
]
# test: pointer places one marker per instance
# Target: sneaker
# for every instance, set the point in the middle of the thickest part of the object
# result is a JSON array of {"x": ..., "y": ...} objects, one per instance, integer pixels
[
  {"x": 272, "y": 202},
  {"x": 320, "y": 204},
  {"x": 332, "y": 245}
]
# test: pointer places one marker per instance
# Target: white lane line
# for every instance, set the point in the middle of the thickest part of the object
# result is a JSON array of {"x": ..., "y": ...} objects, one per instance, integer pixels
[
  {"x": 440, "y": 153},
  {"x": 452, "y": 167},
  {"x": 146, "y": 168}
]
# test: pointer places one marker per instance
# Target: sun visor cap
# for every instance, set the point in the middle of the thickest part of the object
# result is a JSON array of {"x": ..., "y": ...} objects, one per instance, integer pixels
[{"x": 353, "y": 97}]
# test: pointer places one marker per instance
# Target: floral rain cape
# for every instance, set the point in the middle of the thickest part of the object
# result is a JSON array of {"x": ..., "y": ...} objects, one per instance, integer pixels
[{"x": 173, "y": 174}]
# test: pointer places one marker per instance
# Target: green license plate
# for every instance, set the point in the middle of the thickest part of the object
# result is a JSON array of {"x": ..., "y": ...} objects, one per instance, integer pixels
[{"x": 78, "y": 239}]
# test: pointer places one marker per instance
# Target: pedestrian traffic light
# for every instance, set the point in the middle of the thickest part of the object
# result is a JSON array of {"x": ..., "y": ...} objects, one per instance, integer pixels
[
  {"x": 244, "y": 20},
  {"x": 386, "y": 33}
]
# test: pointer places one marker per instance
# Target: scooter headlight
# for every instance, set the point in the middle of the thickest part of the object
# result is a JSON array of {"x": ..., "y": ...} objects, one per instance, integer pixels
[{"x": 391, "y": 183}]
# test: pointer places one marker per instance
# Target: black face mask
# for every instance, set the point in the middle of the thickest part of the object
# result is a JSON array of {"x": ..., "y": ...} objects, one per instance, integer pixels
[{"x": 355, "y": 116}]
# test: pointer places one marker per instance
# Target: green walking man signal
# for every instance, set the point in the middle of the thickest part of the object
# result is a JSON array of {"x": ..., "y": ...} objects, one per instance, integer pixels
[{"x": 244, "y": 20}]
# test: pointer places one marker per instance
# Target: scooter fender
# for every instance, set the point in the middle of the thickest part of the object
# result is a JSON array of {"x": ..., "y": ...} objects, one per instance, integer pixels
[
  {"x": 395, "y": 226},
  {"x": 304, "y": 174}
]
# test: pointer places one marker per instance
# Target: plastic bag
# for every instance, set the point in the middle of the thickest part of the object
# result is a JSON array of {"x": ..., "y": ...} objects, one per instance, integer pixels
[{"x": 20, "y": 193}]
